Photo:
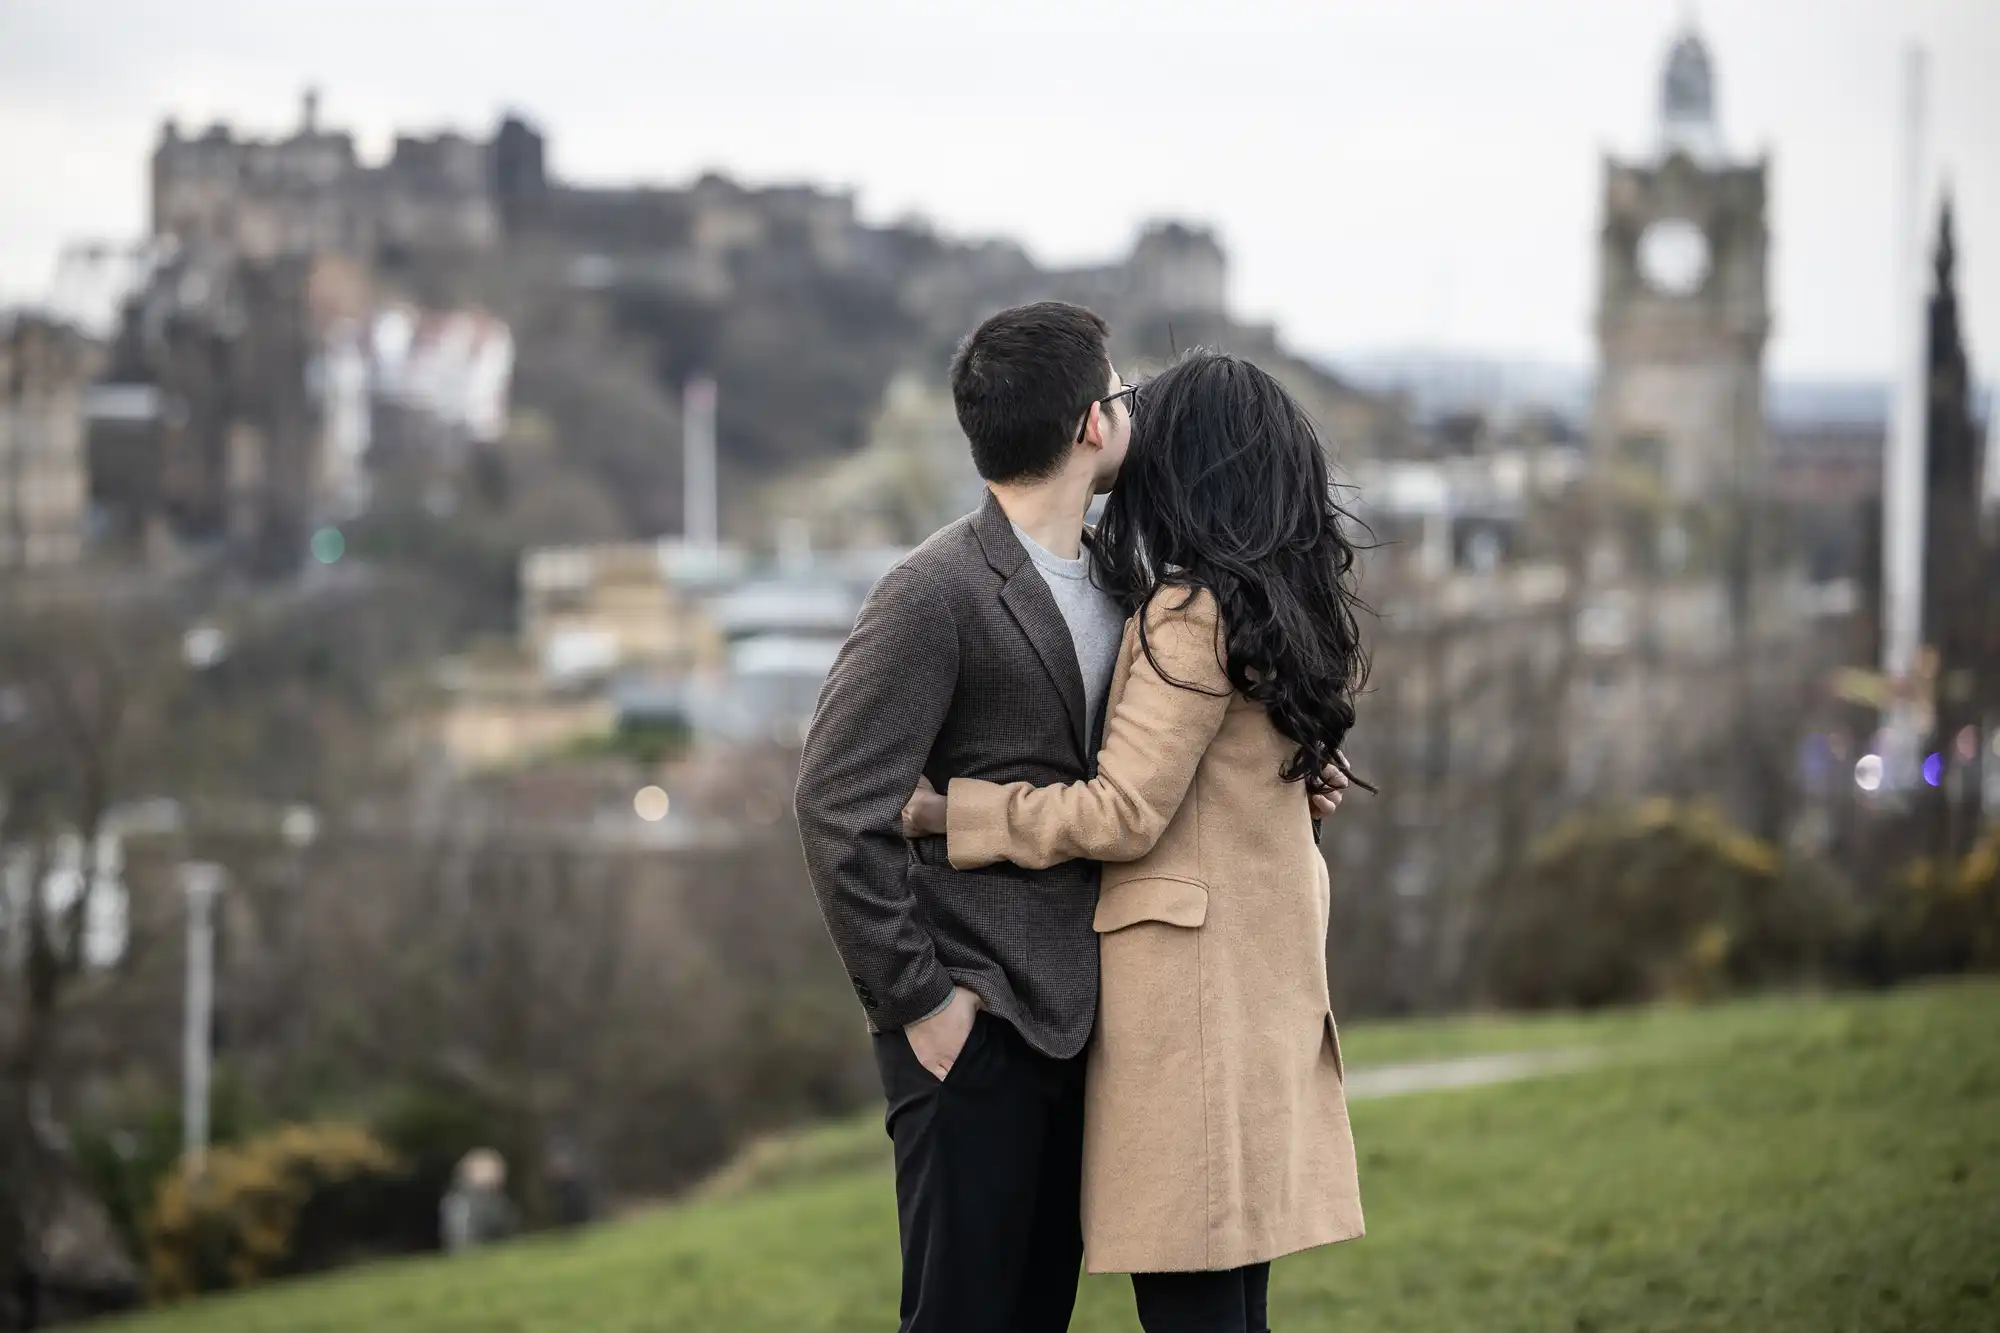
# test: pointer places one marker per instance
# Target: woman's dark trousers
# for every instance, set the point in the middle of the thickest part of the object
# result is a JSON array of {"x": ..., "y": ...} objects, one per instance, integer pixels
[{"x": 1229, "y": 1301}]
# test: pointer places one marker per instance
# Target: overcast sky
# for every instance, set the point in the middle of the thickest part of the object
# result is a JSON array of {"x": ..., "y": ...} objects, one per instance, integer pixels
[{"x": 1386, "y": 174}]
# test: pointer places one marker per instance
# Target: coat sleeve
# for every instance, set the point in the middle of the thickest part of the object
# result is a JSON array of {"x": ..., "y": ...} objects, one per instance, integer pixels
[
  {"x": 1155, "y": 739},
  {"x": 878, "y": 717}
]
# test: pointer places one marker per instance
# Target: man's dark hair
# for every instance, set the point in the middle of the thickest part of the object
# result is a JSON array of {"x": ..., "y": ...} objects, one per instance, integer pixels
[{"x": 1022, "y": 382}]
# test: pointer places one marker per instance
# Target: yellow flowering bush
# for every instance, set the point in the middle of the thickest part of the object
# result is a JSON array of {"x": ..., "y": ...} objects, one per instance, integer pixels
[
  {"x": 1662, "y": 898},
  {"x": 1944, "y": 916},
  {"x": 239, "y": 1220}
]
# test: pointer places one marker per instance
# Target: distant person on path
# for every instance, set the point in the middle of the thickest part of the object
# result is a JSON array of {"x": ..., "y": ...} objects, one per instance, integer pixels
[
  {"x": 1215, "y": 1124},
  {"x": 572, "y": 1193},
  {"x": 986, "y": 654},
  {"x": 475, "y": 1211}
]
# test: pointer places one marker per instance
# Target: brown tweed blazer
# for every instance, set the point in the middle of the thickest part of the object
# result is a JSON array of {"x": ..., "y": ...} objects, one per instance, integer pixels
[{"x": 960, "y": 666}]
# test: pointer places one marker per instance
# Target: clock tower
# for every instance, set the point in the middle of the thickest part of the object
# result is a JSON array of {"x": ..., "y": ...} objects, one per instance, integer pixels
[{"x": 1682, "y": 310}]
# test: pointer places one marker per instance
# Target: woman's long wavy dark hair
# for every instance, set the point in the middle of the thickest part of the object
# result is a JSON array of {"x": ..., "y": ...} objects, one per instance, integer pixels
[{"x": 1225, "y": 487}]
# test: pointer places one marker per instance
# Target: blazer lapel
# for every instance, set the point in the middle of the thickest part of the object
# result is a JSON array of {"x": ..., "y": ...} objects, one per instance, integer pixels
[
  {"x": 1034, "y": 608},
  {"x": 1028, "y": 599}
]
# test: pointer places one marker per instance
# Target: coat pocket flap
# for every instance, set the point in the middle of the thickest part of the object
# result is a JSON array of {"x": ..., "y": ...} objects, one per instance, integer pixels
[
  {"x": 1177, "y": 902},
  {"x": 1333, "y": 1040}
]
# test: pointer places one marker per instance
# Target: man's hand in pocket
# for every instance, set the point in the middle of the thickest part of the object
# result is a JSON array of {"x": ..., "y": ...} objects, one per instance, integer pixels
[{"x": 938, "y": 1040}]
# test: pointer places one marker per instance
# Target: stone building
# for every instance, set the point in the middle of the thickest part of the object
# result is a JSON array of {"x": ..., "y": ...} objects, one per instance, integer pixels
[
  {"x": 205, "y": 424},
  {"x": 1175, "y": 274},
  {"x": 1823, "y": 452},
  {"x": 1677, "y": 438},
  {"x": 449, "y": 194},
  {"x": 1682, "y": 306},
  {"x": 1178, "y": 269},
  {"x": 310, "y": 191},
  {"x": 45, "y": 368},
  {"x": 590, "y": 611}
]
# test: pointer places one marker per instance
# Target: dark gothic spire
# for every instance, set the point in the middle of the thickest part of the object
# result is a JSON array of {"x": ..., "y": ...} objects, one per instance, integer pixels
[
  {"x": 1956, "y": 597},
  {"x": 1947, "y": 253},
  {"x": 1946, "y": 358}
]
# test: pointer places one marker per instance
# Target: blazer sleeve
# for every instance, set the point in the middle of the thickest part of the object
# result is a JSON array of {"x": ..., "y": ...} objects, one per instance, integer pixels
[
  {"x": 878, "y": 717},
  {"x": 1161, "y": 726}
]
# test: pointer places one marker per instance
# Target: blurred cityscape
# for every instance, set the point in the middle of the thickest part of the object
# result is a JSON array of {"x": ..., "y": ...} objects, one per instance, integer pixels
[{"x": 429, "y": 565}]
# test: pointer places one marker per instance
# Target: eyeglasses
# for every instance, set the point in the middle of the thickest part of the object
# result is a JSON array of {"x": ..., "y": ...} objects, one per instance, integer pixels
[{"x": 1129, "y": 392}]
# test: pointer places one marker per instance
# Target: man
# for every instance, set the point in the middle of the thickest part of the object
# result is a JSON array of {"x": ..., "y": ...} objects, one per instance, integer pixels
[{"x": 987, "y": 653}]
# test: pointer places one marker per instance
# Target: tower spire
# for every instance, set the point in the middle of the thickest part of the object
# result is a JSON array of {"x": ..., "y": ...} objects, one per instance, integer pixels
[
  {"x": 1946, "y": 262},
  {"x": 1687, "y": 98}
]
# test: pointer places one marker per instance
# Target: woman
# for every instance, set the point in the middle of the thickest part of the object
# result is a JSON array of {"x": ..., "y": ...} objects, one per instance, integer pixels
[{"x": 1216, "y": 1134}]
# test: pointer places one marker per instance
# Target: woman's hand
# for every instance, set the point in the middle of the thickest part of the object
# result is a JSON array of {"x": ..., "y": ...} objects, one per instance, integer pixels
[
  {"x": 924, "y": 813},
  {"x": 1326, "y": 802}
]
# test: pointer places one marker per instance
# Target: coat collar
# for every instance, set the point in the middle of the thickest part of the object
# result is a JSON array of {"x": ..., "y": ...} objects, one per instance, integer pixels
[
  {"x": 1028, "y": 599},
  {"x": 995, "y": 532}
]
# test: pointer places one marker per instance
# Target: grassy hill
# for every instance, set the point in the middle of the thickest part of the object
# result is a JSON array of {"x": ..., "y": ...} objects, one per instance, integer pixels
[{"x": 1786, "y": 1164}]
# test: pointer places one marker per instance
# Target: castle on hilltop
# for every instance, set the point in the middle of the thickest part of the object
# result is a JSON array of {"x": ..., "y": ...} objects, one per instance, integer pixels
[
  {"x": 310, "y": 192},
  {"x": 319, "y": 322}
]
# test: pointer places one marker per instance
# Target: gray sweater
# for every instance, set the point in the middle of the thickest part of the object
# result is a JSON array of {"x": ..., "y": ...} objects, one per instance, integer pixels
[{"x": 1096, "y": 625}]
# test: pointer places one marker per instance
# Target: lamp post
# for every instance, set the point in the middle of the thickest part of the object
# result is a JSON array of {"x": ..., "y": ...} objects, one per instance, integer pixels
[
  {"x": 299, "y": 828},
  {"x": 201, "y": 881}
]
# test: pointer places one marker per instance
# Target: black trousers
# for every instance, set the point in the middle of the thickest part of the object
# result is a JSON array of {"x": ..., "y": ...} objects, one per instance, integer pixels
[
  {"x": 989, "y": 1173},
  {"x": 1231, "y": 1301}
]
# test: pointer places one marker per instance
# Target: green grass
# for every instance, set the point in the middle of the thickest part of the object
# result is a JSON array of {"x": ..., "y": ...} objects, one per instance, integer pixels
[{"x": 1816, "y": 1165}]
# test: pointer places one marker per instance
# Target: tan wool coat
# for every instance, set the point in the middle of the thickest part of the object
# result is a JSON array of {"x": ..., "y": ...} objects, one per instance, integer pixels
[{"x": 1216, "y": 1131}]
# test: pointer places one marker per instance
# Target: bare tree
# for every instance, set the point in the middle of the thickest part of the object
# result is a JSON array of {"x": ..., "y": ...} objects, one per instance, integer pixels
[{"x": 77, "y": 681}]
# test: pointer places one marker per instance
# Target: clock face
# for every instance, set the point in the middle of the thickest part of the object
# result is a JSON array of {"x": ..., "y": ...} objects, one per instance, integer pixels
[{"x": 1673, "y": 256}]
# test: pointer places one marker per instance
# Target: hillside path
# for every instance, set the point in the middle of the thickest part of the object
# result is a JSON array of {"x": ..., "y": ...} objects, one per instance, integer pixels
[{"x": 1468, "y": 1071}]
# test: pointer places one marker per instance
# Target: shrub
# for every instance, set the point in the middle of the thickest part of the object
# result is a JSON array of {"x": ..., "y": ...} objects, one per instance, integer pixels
[
  {"x": 1661, "y": 899},
  {"x": 1943, "y": 916},
  {"x": 279, "y": 1203},
  {"x": 129, "y": 1150}
]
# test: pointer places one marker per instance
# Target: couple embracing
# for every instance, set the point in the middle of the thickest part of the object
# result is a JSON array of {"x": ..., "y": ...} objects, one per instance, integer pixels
[{"x": 1060, "y": 805}]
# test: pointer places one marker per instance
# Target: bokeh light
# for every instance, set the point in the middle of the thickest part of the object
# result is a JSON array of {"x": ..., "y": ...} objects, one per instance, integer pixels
[
  {"x": 204, "y": 646},
  {"x": 299, "y": 826},
  {"x": 328, "y": 545},
  {"x": 651, "y": 804},
  {"x": 1933, "y": 769},
  {"x": 1868, "y": 772}
]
